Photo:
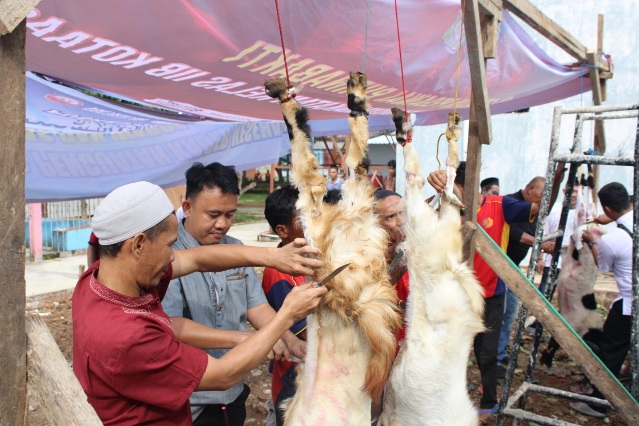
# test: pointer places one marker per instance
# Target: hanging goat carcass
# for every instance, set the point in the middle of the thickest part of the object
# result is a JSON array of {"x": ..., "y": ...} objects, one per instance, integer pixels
[
  {"x": 576, "y": 288},
  {"x": 444, "y": 310},
  {"x": 351, "y": 343}
]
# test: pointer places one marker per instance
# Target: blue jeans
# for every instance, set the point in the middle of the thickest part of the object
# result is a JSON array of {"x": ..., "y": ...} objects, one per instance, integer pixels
[{"x": 511, "y": 306}]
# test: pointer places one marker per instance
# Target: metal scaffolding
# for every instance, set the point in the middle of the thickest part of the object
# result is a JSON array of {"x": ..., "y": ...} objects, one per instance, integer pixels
[{"x": 575, "y": 158}]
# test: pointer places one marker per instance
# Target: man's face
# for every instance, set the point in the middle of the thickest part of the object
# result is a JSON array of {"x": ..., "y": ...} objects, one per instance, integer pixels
[
  {"x": 156, "y": 256},
  {"x": 332, "y": 173},
  {"x": 573, "y": 199},
  {"x": 391, "y": 217},
  {"x": 490, "y": 191},
  {"x": 534, "y": 194},
  {"x": 391, "y": 171},
  {"x": 210, "y": 215}
]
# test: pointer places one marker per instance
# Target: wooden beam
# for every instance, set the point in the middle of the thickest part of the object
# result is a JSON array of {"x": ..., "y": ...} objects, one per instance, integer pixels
[
  {"x": 491, "y": 7},
  {"x": 12, "y": 12},
  {"x": 545, "y": 313},
  {"x": 602, "y": 79},
  {"x": 13, "y": 367},
  {"x": 528, "y": 13},
  {"x": 600, "y": 141},
  {"x": 330, "y": 153},
  {"x": 52, "y": 384},
  {"x": 477, "y": 65},
  {"x": 471, "y": 182}
]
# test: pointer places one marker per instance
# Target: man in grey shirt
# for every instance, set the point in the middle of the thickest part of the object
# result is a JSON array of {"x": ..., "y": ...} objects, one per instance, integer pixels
[{"x": 222, "y": 300}]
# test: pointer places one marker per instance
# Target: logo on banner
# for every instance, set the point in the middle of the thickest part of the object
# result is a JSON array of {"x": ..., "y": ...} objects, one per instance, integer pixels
[{"x": 64, "y": 100}]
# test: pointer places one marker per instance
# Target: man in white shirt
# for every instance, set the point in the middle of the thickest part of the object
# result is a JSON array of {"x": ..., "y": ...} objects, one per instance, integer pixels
[{"x": 613, "y": 253}]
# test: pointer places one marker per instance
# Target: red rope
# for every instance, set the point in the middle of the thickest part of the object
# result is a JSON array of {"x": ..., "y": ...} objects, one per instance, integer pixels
[
  {"x": 279, "y": 24},
  {"x": 401, "y": 66}
]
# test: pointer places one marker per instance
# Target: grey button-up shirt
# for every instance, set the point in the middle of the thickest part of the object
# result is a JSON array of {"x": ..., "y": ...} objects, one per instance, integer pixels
[{"x": 220, "y": 300}]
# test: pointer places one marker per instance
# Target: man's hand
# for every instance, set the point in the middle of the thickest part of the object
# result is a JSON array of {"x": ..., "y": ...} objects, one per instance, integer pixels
[
  {"x": 280, "y": 352},
  {"x": 296, "y": 347},
  {"x": 302, "y": 300},
  {"x": 548, "y": 246},
  {"x": 589, "y": 237},
  {"x": 296, "y": 258},
  {"x": 437, "y": 180},
  {"x": 540, "y": 266}
]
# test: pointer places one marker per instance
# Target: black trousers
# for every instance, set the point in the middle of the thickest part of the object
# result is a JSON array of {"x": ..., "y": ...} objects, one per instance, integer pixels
[
  {"x": 486, "y": 349},
  {"x": 232, "y": 414},
  {"x": 615, "y": 341}
]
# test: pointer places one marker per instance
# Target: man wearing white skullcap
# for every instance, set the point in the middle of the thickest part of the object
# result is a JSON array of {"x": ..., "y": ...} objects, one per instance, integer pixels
[{"x": 127, "y": 353}]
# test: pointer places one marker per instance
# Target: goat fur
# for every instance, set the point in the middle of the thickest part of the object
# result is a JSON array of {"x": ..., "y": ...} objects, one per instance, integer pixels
[
  {"x": 351, "y": 337},
  {"x": 444, "y": 311}
]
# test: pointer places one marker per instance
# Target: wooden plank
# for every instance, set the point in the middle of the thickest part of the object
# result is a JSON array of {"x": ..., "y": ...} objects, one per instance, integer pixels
[
  {"x": 491, "y": 8},
  {"x": 471, "y": 182},
  {"x": 602, "y": 79},
  {"x": 330, "y": 153},
  {"x": 12, "y": 12},
  {"x": 477, "y": 65},
  {"x": 490, "y": 34},
  {"x": 528, "y": 13},
  {"x": 538, "y": 306},
  {"x": 13, "y": 373},
  {"x": 52, "y": 384}
]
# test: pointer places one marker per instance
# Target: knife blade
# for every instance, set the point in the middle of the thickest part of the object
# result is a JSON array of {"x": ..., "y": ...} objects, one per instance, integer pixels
[
  {"x": 395, "y": 262},
  {"x": 331, "y": 275}
]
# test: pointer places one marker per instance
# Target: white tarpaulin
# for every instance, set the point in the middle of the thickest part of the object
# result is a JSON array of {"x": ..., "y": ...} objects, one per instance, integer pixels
[{"x": 210, "y": 59}]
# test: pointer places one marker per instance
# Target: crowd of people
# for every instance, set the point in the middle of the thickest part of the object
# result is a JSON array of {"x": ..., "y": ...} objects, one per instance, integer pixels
[{"x": 177, "y": 293}]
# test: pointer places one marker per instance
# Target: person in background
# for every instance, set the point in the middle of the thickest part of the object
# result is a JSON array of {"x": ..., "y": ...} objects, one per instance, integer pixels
[
  {"x": 388, "y": 182},
  {"x": 489, "y": 186},
  {"x": 495, "y": 216},
  {"x": 136, "y": 365},
  {"x": 520, "y": 239},
  {"x": 375, "y": 178},
  {"x": 283, "y": 218},
  {"x": 223, "y": 300},
  {"x": 334, "y": 181},
  {"x": 613, "y": 253}
]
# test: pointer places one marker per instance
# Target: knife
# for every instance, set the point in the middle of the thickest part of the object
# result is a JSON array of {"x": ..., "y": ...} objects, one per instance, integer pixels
[
  {"x": 331, "y": 275},
  {"x": 395, "y": 262}
]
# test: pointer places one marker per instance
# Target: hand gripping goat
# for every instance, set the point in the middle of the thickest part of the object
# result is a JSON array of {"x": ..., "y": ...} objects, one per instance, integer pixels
[
  {"x": 444, "y": 310},
  {"x": 351, "y": 343}
]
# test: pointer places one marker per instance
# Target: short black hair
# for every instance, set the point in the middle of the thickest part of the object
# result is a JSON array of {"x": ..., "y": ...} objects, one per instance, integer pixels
[
  {"x": 152, "y": 234},
  {"x": 460, "y": 177},
  {"x": 279, "y": 208},
  {"x": 332, "y": 196},
  {"x": 614, "y": 196},
  {"x": 392, "y": 163},
  {"x": 333, "y": 166},
  {"x": 488, "y": 182},
  {"x": 215, "y": 175}
]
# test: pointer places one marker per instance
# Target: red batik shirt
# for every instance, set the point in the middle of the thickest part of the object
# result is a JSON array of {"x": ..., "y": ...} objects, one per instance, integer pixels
[{"x": 127, "y": 359}]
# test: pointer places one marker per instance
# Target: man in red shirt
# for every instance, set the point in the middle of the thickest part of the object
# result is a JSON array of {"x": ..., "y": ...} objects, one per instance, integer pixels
[{"x": 129, "y": 357}]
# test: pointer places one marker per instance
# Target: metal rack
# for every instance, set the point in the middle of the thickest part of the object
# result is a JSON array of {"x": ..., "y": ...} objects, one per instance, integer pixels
[{"x": 575, "y": 159}]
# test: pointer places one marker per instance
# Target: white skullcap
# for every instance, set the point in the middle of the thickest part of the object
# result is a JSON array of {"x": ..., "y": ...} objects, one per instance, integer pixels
[{"x": 128, "y": 210}]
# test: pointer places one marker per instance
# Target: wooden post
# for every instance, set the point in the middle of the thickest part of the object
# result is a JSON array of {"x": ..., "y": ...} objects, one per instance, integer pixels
[
  {"x": 477, "y": 65},
  {"x": 13, "y": 374},
  {"x": 271, "y": 181},
  {"x": 471, "y": 182},
  {"x": 545, "y": 313},
  {"x": 52, "y": 384}
]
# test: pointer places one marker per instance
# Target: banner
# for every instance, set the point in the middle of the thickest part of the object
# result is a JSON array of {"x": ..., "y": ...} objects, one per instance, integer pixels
[
  {"x": 209, "y": 59},
  {"x": 78, "y": 146}
]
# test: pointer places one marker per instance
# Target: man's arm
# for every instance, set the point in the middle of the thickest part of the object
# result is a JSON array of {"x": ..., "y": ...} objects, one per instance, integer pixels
[
  {"x": 290, "y": 344},
  {"x": 223, "y": 373},
  {"x": 292, "y": 259},
  {"x": 203, "y": 337}
]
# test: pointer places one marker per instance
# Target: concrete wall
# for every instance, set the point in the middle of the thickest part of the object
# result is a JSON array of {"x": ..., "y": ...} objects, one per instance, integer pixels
[{"x": 519, "y": 149}]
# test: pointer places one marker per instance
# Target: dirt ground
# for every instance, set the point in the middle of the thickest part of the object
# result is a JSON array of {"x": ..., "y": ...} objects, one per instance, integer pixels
[{"x": 56, "y": 312}]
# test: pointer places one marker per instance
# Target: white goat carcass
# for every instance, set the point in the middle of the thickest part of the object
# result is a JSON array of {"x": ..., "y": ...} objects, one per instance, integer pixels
[
  {"x": 351, "y": 337},
  {"x": 576, "y": 288},
  {"x": 444, "y": 310}
]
